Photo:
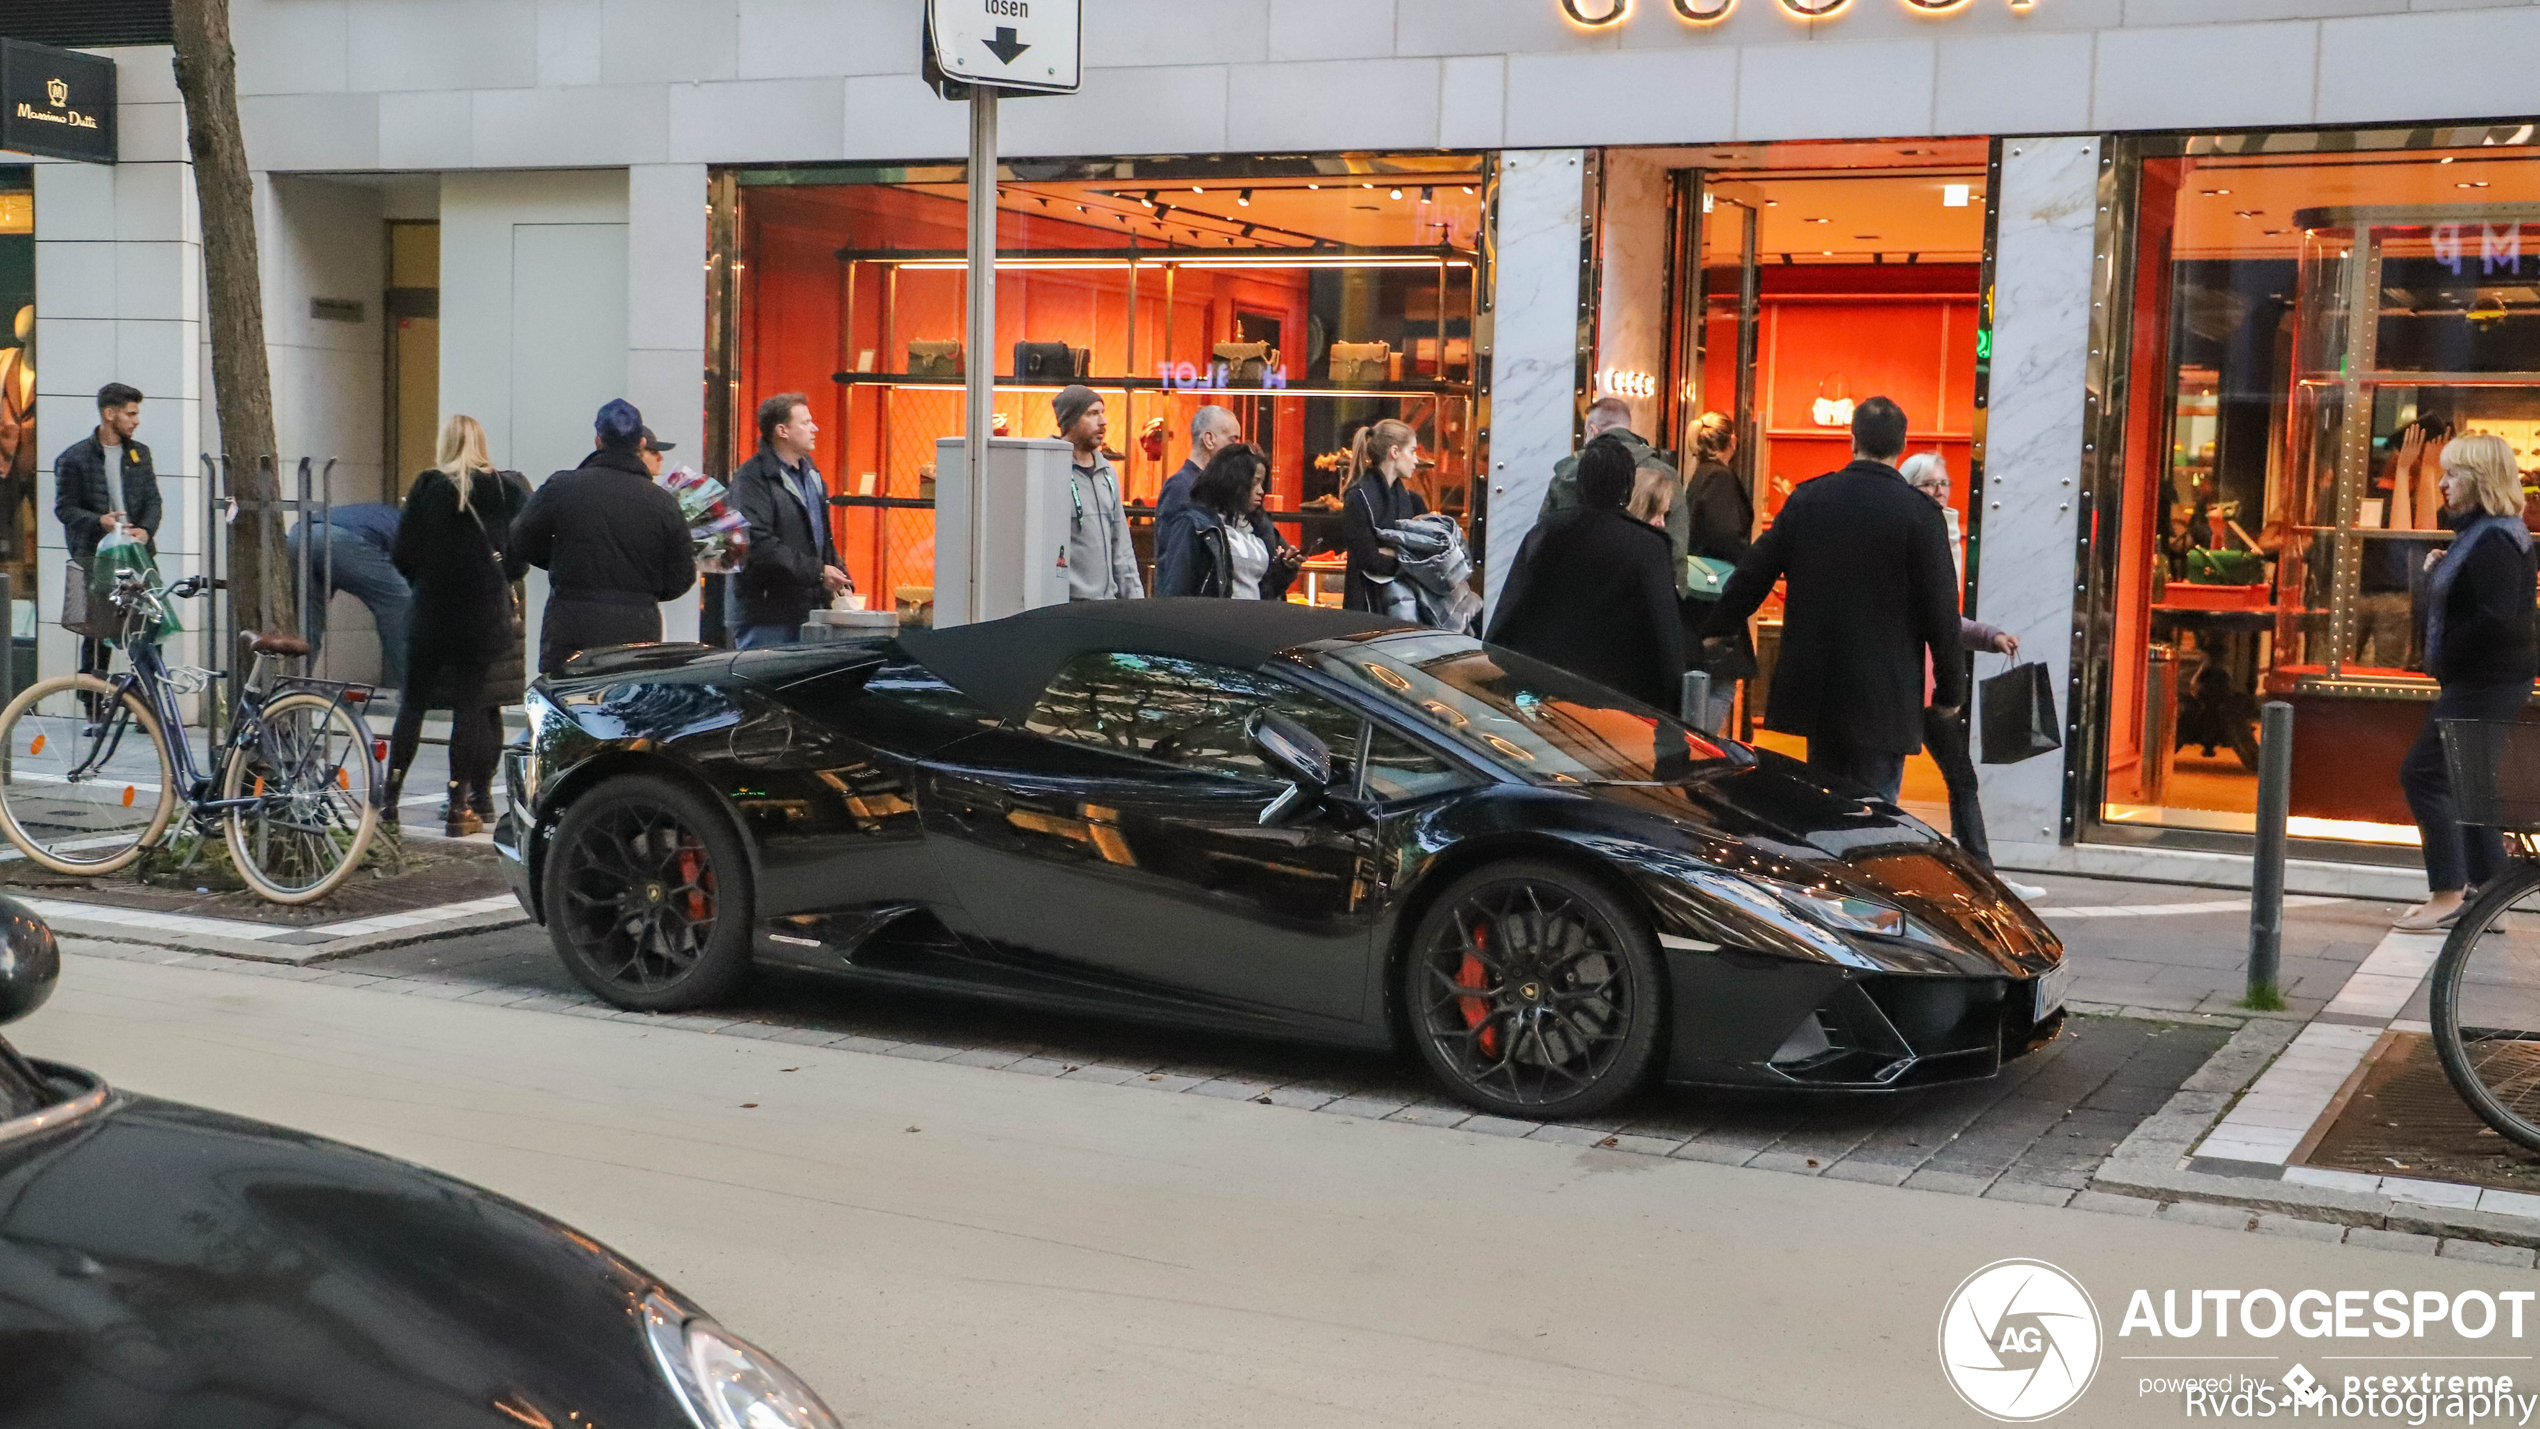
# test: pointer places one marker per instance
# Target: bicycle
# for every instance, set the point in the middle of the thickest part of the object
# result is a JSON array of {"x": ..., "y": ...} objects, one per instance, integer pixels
[
  {"x": 90, "y": 778},
  {"x": 2486, "y": 984}
]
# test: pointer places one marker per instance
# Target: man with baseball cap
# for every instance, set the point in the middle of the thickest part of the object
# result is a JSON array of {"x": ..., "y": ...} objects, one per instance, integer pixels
[
  {"x": 1101, "y": 562},
  {"x": 613, "y": 543}
]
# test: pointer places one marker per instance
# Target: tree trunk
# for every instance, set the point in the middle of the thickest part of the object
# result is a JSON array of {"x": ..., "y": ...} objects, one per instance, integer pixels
[{"x": 242, "y": 386}]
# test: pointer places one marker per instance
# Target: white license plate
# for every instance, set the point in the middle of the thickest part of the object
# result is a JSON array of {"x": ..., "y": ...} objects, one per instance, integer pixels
[{"x": 2050, "y": 986}]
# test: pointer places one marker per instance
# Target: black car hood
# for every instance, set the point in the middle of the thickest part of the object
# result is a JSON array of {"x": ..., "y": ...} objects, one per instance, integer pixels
[
  {"x": 1772, "y": 818},
  {"x": 163, "y": 1265}
]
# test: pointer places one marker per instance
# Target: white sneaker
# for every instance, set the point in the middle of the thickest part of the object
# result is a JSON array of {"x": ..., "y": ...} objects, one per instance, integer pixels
[{"x": 2026, "y": 892}]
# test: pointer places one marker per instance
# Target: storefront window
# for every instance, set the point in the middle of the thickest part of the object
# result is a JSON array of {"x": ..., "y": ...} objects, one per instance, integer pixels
[
  {"x": 2309, "y": 329},
  {"x": 20, "y": 450},
  {"x": 1309, "y": 296}
]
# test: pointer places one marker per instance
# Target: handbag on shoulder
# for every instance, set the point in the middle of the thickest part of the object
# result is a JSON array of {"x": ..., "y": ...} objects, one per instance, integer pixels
[{"x": 935, "y": 361}]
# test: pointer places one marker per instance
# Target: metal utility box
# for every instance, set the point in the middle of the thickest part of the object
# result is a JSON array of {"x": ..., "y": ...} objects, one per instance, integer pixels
[{"x": 1001, "y": 545}]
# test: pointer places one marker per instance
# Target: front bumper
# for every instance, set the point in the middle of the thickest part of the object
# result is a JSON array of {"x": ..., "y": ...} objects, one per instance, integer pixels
[
  {"x": 512, "y": 837},
  {"x": 1755, "y": 1019}
]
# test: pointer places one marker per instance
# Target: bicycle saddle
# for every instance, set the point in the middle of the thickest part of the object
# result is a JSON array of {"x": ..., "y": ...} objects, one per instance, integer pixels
[{"x": 270, "y": 642}]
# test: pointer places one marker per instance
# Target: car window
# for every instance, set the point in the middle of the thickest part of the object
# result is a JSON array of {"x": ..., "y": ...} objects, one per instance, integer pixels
[
  {"x": 1186, "y": 712},
  {"x": 1400, "y": 769},
  {"x": 1545, "y": 724}
]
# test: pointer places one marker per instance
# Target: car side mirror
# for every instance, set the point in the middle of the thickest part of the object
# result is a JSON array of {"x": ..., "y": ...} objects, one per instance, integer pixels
[
  {"x": 30, "y": 961},
  {"x": 1296, "y": 753},
  {"x": 1292, "y": 749}
]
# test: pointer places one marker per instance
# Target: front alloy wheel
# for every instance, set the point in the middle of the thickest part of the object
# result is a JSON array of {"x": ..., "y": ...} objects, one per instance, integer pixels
[
  {"x": 649, "y": 896},
  {"x": 1534, "y": 993}
]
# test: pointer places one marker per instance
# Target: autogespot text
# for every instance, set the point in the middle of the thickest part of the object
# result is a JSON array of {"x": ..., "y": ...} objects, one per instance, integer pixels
[{"x": 2422, "y": 1393}]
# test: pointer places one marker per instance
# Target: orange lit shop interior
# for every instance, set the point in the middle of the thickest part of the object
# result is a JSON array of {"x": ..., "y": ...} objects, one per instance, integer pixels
[
  {"x": 1868, "y": 262},
  {"x": 2260, "y": 550},
  {"x": 1310, "y": 296}
]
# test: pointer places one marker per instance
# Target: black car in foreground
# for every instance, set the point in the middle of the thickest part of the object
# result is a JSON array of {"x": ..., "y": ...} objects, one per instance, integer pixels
[
  {"x": 1273, "y": 819},
  {"x": 167, "y": 1267}
]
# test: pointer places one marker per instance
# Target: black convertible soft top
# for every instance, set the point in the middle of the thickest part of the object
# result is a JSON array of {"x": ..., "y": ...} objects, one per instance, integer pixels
[{"x": 1005, "y": 664}]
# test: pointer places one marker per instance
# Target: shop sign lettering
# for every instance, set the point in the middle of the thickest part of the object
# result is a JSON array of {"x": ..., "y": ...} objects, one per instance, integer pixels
[
  {"x": 2498, "y": 248},
  {"x": 1597, "y": 14},
  {"x": 1191, "y": 377}
]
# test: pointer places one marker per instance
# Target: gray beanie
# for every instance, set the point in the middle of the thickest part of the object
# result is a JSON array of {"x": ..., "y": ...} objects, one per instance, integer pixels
[{"x": 1071, "y": 404}]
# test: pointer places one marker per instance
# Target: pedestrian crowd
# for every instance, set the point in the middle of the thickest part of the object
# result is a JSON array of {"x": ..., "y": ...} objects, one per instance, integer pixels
[{"x": 1634, "y": 572}]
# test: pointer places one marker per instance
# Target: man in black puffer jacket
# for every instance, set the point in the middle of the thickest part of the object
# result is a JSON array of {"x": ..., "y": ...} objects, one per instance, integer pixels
[{"x": 612, "y": 542}]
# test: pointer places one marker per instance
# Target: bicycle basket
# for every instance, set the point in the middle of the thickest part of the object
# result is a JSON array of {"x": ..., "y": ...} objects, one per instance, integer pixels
[{"x": 2495, "y": 772}]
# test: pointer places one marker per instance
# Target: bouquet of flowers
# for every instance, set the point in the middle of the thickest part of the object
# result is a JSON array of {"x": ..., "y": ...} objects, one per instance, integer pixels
[{"x": 720, "y": 534}]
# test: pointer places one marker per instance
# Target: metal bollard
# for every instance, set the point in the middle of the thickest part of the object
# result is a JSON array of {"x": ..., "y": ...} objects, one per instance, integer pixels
[
  {"x": 1697, "y": 700},
  {"x": 2266, "y": 874}
]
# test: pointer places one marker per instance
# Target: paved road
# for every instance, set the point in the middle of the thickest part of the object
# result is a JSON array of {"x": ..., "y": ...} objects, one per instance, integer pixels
[
  {"x": 2033, "y": 1134},
  {"x": 943, "y": 1244}
]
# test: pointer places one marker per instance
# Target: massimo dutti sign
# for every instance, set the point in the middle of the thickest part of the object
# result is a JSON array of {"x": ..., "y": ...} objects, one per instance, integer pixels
[
  {"x": 1597, "y": 14},
  {"x": 59, "y": 103}
]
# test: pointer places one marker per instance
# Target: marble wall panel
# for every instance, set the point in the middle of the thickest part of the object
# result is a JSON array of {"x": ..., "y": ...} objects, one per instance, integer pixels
[
  {"x": 2043, "y": 269},
  {"x": 1631, "y": 320},
  {"x": 1534, "y": 345}
]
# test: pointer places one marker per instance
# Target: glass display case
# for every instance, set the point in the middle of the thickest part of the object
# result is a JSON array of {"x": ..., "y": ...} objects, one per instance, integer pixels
[
  {"x": 2298, "y": 316},
  {"x": 1308, "y": 297}
]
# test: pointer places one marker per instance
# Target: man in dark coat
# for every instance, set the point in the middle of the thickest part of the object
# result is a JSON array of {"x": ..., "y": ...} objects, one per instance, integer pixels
[
  {"x": 1872, "y": 592},
  {"x": 104, "y": 482},
  {"x": 1591, "y": 591},
  {"x": 613, "y": 544},
  {"x": 793, "y": 564},
  {"x": 1614, "y": 415}
]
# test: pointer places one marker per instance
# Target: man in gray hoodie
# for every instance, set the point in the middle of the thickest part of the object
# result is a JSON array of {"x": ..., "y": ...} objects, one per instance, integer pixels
[{"x": 1101, "y": 562}]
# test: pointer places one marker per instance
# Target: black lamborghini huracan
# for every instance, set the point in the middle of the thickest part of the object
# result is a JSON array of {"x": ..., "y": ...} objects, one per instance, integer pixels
[{"x": 1268, "y": 818}]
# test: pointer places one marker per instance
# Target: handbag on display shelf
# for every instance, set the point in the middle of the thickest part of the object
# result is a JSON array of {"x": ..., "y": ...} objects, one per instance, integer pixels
[
  {"x": 1361, "y": 364},
  {"x": 2018, "y": 714},
  {"x": 934, "y": 361},
  {"x": 1247, "y": 364},
  {"x": 1048, "y": 360}
]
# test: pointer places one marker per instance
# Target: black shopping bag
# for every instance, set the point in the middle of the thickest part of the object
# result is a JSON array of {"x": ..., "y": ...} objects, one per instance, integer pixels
[{"x": 2018, "y": 710}]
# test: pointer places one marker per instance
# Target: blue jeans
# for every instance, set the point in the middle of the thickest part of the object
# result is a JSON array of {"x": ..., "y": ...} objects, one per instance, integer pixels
[
  {"x": 364, "y": 571},
  {"x": 765, "y": 637},
  {"x": 1838, "y": 762}
]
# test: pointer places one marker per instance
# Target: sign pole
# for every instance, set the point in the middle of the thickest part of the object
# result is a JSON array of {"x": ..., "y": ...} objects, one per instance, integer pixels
[{"x": 979, "y": 362}]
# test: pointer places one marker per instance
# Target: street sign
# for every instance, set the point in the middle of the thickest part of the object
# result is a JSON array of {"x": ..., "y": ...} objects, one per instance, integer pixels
[
  {"x": 58, "y": 103},
  {"x": 1010, "y": 44}
]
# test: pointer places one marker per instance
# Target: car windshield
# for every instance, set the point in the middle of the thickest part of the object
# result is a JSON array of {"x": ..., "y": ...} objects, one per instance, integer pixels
[{"x": 1541, "y": 722}]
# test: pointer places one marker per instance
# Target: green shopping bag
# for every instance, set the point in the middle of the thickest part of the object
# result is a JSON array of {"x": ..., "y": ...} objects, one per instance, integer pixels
[{"x": 117, "y": 555}]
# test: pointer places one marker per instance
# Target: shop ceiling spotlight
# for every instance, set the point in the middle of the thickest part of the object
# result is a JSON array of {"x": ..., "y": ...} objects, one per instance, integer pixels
[
  {"x": 1428, "y": 195},
  {"x": 1244, "y": 199},
  {"x": 1397, "y": 193}
]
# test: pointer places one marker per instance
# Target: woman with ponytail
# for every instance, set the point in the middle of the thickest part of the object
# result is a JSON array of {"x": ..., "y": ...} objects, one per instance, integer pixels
[{"x": 1385, "y": 454}]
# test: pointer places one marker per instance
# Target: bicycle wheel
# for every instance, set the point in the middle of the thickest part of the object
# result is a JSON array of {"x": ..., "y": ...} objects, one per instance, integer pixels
[
  {"x": 82, "y": 796},
  {"x": 308, "y": 812},
  {"x": 2486, "y": 1004}
]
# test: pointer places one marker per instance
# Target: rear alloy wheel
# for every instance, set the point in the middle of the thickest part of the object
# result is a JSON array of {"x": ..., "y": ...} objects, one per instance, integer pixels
[
  {"x": 1535, "y": 993},
  {"x": 648, "y": 896}
]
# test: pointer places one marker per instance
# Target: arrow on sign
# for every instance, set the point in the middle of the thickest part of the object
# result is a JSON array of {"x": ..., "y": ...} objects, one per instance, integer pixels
[{"x": 1004, "y": 46}]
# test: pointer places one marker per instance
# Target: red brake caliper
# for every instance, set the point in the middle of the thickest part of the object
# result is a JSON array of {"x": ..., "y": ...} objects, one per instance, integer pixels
[
  {"x": 1475, "y": 1010},
  {"x": 698, "y": 905}
]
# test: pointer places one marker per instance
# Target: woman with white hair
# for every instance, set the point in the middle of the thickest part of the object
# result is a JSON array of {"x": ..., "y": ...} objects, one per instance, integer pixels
[
  {"x": 1945, "y": 736},
  {"x": 2480, "y": 646}
]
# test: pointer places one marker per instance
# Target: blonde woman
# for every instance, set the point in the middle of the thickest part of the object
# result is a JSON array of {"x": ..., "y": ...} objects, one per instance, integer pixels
[
  {"x": 2480, "y": 647},
  {"x": 1381, "y": 463},
  {"x": 451, "y": 547}
]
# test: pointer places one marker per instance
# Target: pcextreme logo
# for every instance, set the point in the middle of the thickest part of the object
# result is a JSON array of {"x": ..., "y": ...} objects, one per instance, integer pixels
[{"x": 2019, "y": 1341}]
